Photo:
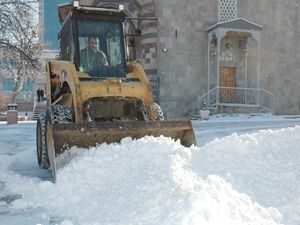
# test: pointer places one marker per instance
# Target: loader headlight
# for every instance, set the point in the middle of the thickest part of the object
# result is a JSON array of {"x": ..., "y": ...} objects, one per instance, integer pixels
[
  {"x": 76, "y": 3},
  {"x": 87, "y": 108},
  {"x": 121, "y": 7}
]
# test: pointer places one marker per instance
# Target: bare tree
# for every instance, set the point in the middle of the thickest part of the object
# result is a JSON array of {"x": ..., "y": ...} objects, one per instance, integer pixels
[{"x": 19, "y": 43}]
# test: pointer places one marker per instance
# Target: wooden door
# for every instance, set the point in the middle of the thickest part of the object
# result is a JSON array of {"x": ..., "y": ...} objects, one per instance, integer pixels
[{"x": 227, "y": 83}]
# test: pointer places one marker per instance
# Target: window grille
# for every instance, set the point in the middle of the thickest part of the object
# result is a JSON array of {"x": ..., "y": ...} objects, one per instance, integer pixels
[
  {"x": 66, "y": 42},
  {"x": 8, "y": 84},
  {"x": 227, "y": 10},
  {"x": 154, "y": 81}
]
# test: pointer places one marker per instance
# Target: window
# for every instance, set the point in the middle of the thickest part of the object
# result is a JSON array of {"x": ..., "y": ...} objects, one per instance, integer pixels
[
  {"x": 66, "y": 42},
  {"x": 227, "y": 10},
  {"x": 101, "y": 48},
  {"x": 8, "y": 84},
  {"x": 27, "y": 85}
]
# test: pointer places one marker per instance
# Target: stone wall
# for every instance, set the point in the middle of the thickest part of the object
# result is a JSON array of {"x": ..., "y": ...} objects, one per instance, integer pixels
[
  {"x": 174, "y": 48},
  {"x": 149, "y": 43},
  {"x": 280, "y": 68},
  {"x": 183, "y": 67}
]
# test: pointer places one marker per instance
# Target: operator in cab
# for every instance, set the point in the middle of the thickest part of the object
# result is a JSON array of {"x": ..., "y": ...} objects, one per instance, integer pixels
[{"x": 92, "y": 59}]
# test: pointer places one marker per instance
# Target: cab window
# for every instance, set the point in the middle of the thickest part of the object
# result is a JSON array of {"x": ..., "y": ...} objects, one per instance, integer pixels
[{"x": 101, "y": 48}]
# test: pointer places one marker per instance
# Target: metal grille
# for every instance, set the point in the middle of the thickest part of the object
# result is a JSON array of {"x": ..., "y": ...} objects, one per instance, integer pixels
[
  {"x": 66, "y": 42},
  {"x": 154, "y": 81},
  {"x": 227, "y": 10},
  {"x": 232, "y": 96}
]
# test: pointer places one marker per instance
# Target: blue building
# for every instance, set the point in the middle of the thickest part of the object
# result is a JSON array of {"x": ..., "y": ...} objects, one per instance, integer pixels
[{"x": 49, "y": 23}]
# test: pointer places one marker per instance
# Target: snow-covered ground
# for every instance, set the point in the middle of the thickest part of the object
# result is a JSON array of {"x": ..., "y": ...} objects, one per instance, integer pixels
[{"x": 245, "y": 170}]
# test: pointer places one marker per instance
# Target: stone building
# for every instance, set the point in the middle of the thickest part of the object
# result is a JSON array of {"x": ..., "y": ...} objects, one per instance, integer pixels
[
  {"x": 261, "y": 62},
  {"x": 228, "y": 55}
]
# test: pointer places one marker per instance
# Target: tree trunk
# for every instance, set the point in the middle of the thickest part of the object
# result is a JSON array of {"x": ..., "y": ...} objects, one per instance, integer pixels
[
  {"x": 18, "y": 85},
  {"x": 14, "y": 96}
]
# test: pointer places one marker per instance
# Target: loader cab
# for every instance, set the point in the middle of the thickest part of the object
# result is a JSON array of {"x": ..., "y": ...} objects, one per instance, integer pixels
[{"x": 94, "y": 41}]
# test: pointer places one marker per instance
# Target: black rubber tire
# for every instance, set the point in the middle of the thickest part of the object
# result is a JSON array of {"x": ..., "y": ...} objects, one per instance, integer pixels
[
  {"x": 59, "y": 114},
  {"x": 56, "y": 114},
  {"x": 42, "y": 155}
]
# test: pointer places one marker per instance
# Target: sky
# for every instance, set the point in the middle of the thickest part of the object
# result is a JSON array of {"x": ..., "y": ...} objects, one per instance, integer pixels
[{"x": 240, "y": 174}]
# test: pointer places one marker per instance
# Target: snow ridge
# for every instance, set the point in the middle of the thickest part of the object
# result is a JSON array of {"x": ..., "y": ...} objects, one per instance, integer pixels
[{"x": 143, "y": 182}]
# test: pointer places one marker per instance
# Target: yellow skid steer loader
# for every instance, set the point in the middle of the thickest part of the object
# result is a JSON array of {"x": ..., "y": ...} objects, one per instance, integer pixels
[{"x": 94, "y": 95}]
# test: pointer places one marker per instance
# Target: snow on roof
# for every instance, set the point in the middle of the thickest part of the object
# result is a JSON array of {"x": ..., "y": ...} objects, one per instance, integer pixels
[{"x": 239, "y": 23}]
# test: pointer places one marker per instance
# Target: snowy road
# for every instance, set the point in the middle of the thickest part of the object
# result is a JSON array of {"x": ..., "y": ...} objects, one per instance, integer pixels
[
  {"x": 223, "y": 169},
  {"x": 207, "y": 131}
]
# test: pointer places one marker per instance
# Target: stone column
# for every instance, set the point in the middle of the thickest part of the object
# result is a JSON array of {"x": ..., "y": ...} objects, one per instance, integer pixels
[
  {"x": 209, "y": 40},
  {"x": 149, "y": 44},
  {"x": 257, "y": 36}
]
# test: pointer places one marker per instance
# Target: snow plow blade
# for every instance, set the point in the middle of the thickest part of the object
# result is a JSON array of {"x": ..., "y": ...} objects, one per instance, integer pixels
[{"x": 90, "y": 134}]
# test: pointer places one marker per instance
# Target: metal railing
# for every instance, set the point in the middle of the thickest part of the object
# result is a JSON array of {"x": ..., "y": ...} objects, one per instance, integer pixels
[{"x": 233, "y": 96}]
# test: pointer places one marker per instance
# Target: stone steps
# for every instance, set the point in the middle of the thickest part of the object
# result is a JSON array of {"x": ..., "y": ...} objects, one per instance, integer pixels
[{"x": 39, "y": 107}]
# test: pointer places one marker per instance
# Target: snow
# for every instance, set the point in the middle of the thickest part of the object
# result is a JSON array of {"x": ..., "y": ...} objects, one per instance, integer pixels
[
  {"x": 265, "y": 165},
  {"x": 237, "y": 175}
]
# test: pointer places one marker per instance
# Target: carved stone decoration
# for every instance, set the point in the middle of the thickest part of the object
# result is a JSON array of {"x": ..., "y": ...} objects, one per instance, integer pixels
[
  {"x": 213, "y": 46},
  {"x": 227, "y": 55}
]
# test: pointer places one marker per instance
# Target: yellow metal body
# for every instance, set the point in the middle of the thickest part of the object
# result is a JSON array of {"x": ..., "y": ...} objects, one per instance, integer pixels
[
  {"x": 101, "y": 110},
  {"x": 83, "y": 90}
]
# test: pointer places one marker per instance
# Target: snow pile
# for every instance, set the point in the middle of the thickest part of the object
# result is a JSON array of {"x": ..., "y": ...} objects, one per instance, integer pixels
[
  {"x": 265, "y": 165},
  {"x": 145, "y": 181}
]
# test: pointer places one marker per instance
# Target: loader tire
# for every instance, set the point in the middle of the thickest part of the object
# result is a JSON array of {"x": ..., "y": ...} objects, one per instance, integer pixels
[
  {"x": 42, "y": 155},
  {"x": 59, "y": 114},
  {"x": 157, "y": 113},
  {"x": 55, "y": 114}
]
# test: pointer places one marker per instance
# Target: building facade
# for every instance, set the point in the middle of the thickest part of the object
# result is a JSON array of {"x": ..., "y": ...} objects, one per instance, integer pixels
[
  {"x": 271, "y": 50},
  {"x": 228, "y": 55},
  {"x": 49, "y": 23},
  {"x": 25, "y": 98},
  {"x": 49, "y": 27}
]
